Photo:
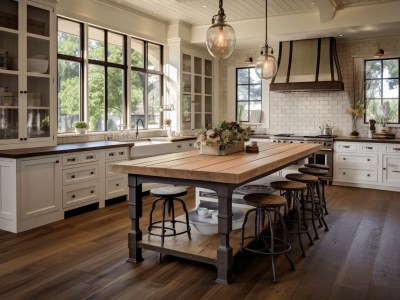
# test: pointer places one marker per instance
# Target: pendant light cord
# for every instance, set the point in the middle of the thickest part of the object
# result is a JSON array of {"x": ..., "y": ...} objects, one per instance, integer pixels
[
  {"x": 221, "y": 13},
  {"x": 266, "y": 22}
]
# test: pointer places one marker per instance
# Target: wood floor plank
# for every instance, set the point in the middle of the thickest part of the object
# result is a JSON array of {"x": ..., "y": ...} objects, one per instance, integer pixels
[{"x": 84, "y": 257}]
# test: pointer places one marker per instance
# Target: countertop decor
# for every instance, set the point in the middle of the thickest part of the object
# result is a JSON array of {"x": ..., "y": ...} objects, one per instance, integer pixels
[
  {"x": 225, "y": 138},
  {"x": 356, "y": 97}
]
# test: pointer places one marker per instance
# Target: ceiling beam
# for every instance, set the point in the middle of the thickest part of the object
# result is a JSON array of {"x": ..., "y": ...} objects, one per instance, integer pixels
[{"x": 326, "y": 8}]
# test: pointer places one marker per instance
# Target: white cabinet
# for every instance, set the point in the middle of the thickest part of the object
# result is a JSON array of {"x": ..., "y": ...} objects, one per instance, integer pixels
[
  {"x": 116, "y": 184},
  {"x": 197, "y": 92},
  {"x": 30, "y": 193},
  {"x": 371, "y": 165},
  {"x": 80, "y": 179},
  {"x": 27, "y": 74}
]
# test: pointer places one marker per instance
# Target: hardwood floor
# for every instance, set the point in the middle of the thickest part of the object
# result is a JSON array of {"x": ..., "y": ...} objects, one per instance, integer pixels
[{"x": 84, "y": 257}]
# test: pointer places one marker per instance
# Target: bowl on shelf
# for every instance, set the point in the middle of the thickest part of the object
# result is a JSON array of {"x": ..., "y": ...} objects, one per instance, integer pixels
[
  {"x": 207, "y": 224},
  {"x": 38, "y": 65}
]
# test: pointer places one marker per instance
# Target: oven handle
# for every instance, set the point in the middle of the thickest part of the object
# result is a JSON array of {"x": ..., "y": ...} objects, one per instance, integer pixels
[{"x": 326, "y": 150}]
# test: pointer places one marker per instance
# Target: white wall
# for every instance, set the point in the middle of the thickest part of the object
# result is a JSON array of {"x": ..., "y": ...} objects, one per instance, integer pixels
[{"x": 304, "y": 112}]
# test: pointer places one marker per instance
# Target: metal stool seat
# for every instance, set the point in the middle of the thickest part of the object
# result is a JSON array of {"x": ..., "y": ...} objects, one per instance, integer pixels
[
  {"x": 264, "y": 240},
  {"x": 168, "y": 195},
  {"x": 315, "y": 201},
  {"x": 294, "y": 192},
  {"x": 317, "y": 172}
]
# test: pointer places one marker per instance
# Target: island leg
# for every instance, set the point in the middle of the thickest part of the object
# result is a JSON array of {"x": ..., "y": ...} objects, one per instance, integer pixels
[
  {"x": 224, "y": 252},
  {"x": 135, "y": 213}
]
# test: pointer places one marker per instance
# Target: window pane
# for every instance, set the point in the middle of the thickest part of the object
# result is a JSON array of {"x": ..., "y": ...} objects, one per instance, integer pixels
[
  {"x": 96, "y": 81},
  {"x": 390, "y": 68},
  {"x": 154, "y": 57},
  {"x": 96, "y": 44},
  {"x": 137, "y": 97},
  {"x": 69, "y": 94},
  {"x": 115, "y": 99},
  {"x": 393, "y": 115},
  {"x": 255, "y": 92},
  {"x": 373, "y": 69},
  {"x": 137, "y": 53},
  {"x": 390, "y": 88},
  {"x": 69, "y": 42},
  {"x": 243, "y": 112},
  {"x": 154, "y": 100},
  {"x": 373, "y": 89},
  {"x": 373, "y": 109},
  {"x": 243, "y": 76},
  {"x": 243, "y": 92},
  {"x": 115, "y": 48},
  {"x": 254, "y": 79}
]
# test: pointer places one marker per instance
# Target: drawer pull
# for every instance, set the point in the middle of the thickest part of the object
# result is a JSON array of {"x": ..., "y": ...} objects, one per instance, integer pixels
[
  {"x": 368, "y": 159},
  {"x": 72, "y": 176},
  {"x": 347, "y": 147},
  {"x": 368, "y": 175},
  {"x": 91, "y": 173},
  {"x": 396, "y": 149},
  {"x": 344, "y": 173},
  {"x": 394, "y": 171},
  {"x": 57, "y": 161},
  {"x": 384, "y": 168},
  {"x": 117, "y": 184},
  {"x": 92, "y": 192},
  {"x": 344, "y": 158},
  {"x": 71, "y": 159},
  {"x": 121, "y": 153},
  {"x": 73, "y": 196},
  {"x": 89, "y": 157},
  {"x": 370, "y": 148},
  {"x": 111, "y": 154},
  {"x": 190, "y": 145},
  {"x": 179, "y": 146}
]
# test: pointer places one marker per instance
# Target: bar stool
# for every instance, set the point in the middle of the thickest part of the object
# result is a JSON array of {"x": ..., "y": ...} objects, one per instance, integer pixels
[
  {"x": 321, "y": 167},
  {"x": 168, "y": 195},
  {"x": 264, "y": 240},
  {"x": 294, "y": 192},
  {"x": 312, "y": 183}
]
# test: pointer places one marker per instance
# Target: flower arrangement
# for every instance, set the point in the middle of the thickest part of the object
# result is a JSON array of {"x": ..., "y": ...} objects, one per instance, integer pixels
[
  {"x": 357, "y": 107},
  {"x": 225, "y": 133}
]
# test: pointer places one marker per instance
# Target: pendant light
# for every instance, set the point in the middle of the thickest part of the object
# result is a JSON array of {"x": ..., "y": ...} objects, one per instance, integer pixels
[
  {"x": 221, "y": 38},
  {"x": 380, "y": 52},
  {"x": 266, "y": 65}
]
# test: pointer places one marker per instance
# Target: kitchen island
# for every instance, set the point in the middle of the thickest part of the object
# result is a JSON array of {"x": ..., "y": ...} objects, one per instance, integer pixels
[{"x": 219, "y": 173}]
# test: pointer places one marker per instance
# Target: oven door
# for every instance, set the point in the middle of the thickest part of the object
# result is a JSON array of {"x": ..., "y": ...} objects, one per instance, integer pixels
[{"x": 323, "y": 157}]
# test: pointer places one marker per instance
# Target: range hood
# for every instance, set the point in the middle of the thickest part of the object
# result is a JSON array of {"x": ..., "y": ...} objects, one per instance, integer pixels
[{"x": 308, "y": 65}]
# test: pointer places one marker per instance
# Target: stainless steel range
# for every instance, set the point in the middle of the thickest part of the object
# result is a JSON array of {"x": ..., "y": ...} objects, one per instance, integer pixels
[{"x": 323, "y": 156}]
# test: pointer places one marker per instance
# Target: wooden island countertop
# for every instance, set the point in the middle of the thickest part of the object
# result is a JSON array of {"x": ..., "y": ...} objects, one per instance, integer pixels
[{"x": 221, "y": 174}]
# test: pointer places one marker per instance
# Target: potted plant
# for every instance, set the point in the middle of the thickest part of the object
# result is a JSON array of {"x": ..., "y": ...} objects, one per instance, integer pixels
[
  {"x": 46, "y": 123},
  {"x": 80, "y": 127}
]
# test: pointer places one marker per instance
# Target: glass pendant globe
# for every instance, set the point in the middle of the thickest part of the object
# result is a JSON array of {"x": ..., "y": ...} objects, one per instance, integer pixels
[
  {"x": 266, "y": 66},
  {"x": 221, "y": 40}
]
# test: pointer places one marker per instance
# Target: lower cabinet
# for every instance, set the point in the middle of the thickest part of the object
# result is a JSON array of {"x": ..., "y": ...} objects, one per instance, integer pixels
[{"x": 370, "y": 165}]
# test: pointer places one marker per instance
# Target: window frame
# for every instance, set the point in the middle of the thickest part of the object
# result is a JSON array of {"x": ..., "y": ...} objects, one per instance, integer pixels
[
  {"x": 127, "y": 68},
  {"x": 249, "y": 84},
  {"x": 381, "y": 78}
]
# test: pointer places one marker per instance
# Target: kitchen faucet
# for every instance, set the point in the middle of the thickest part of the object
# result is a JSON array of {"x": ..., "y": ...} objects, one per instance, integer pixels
[{"x": 137, "y": 127}]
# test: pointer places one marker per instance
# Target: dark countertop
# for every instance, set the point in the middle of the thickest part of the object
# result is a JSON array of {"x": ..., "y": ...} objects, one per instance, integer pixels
[
  {"x": 366, "y": 140},
  {"x": 260, "y": 136},
  {"x": 77, "y": 147}
]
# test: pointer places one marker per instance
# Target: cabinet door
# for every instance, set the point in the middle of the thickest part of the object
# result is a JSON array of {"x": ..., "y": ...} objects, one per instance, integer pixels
[
  {"x": 27, "y": 34},
  {"x": 391, "y": 170},
  {"x": 40, "y": 186}
]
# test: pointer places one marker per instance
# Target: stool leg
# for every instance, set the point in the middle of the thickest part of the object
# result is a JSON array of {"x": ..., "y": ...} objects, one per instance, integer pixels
[
  {"x": 310, "y": 192},
  {"x": 162, "y": 229},
  {"x": 187, "y": 217},
  {"x": 323, "y": 197},
  {"x": 153, "y": 206},
  {"x": 321, "y": 208},
  {"x": 299, "y": 227},
  {"x": 285, "y": 239},
  {"x": 306, "y": 226},
  {"x": 274, "y": 278},
  {"x": 172, "y": 212}
]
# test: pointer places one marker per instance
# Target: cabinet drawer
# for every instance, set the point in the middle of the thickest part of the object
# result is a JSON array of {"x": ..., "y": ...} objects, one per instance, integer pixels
[
  {"x": 183, "y": 146},
  {"x": 117, "y": 154},
  {"x": 372, "y": 148},
  {"x": 116, "y": 186},
  {"x": 392, "y": 148},
  {"x": 80, "y": 174},
  {"x": 353, "y": 159},
  {"x": 79, "y": 194},
  {"x": 346, "y": 174},
  {"x": 78, "y": 158},
  {"x": 346, "y": 147}
]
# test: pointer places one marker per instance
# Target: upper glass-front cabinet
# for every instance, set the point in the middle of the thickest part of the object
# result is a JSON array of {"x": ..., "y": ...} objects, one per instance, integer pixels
[
  {"x": 197, "y": 93},
  {"x": 26, "y": 73}
]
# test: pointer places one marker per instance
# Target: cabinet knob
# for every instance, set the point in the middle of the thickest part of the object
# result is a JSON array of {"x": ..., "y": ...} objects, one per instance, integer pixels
[
  {"x": 344, "y": 173},
  {"x": 344, "y": 158},
  {"x": 21, "y": 139},
  {"x": 368, "y": 159},
  {"x": 179, "y": 146},
  {"x": 91, "y": 192},
  {"x": 89, "y": 157},
  {"x": 384, "y": 168},
  {"x": 111, "y": 154},
  {"x": 72, "y": 176},
  {"x": 91, "y": 173},
  {"x": 121, "y": 153},
  {"x": 347, "y": 147},
  {"x": 368, "y": 175},
  {"x": 57, "y": 161},
  {"x": 117, "y": 184},
  {"x": 25, "y": 139},
  {"x": 73, "y": 196}
]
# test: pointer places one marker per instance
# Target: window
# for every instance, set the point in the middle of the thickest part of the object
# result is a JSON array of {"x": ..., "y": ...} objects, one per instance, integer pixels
[
  {"x": 248, "y": 94},
  {"x": 382, "y": 90},
  {"x": 102, "y": 67},
  {"x": 70, "y": 67}
]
